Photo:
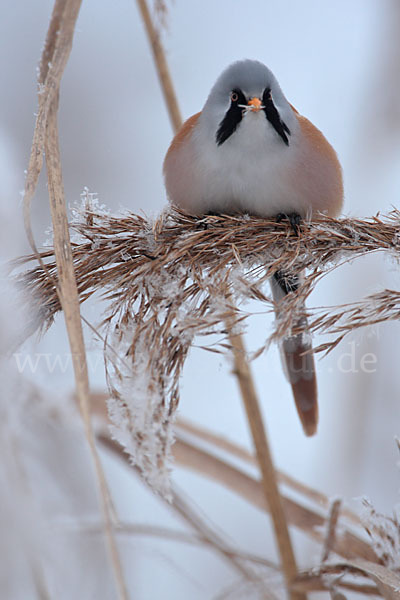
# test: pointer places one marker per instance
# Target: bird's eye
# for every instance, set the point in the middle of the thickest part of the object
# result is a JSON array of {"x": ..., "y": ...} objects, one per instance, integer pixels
[{"x": 234, "y": 96}]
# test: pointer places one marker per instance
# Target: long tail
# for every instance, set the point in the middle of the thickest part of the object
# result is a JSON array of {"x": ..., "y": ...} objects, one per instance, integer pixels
[{"x": 298, "y": 362}]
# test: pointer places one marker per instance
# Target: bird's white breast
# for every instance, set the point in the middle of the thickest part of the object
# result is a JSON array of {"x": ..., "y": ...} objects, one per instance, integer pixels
[
  {"x": 249, "y": 172},
  {"x": 253, "y": 171}
]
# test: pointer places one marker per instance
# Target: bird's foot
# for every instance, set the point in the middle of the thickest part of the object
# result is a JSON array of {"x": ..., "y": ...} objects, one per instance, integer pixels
[
  {"x": 201, "y": 224},
  {"x": 287, "y": 283},
  {"x": 294, "y": 220}
]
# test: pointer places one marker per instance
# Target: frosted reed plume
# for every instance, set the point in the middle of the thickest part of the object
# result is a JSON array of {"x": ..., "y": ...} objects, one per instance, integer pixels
[{"x": 169, "y": 280}]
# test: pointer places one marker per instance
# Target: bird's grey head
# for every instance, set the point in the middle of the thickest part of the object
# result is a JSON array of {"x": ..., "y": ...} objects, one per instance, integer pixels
[{"x": 244, "y": 82}]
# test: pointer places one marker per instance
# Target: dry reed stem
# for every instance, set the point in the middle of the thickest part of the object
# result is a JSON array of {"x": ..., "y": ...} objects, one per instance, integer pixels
[
  {"x": 346, "y": 544},
  {"x": 360, "y": 558},
  {"x": 201, "y": 526},
  {"x": 238, "y": 451},
  {"x": 115, "y": 254},
  {"x": 186, "y": 511},
  {"x": 35, "y": 560},
  {"x": 315, "y": 580},
  {"x": 45, "y": 140},
  {"x": 334, "y": 513},
  {"x": 387, "y": 582},
  {"x": 187, "y": 454},
  {"x": 265, "y": 463},
  {"x": 139, "y": 529},
  {"x": 162, "y": 66},
  {"x": 196, "y": 522}
]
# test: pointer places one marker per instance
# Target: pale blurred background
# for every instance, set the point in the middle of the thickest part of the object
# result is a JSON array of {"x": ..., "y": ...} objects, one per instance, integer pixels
[{"x": 338, "y": 64}]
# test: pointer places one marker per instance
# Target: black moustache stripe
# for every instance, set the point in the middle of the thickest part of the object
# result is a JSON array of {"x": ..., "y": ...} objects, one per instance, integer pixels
[
  {"x": 273, "y": 117},
  {"x": 234, "y": 115},
  {"x": 232, "y": 118}
]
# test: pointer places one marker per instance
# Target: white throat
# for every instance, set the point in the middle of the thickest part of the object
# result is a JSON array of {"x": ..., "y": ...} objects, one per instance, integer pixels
[{"x": 247, "y": 172}]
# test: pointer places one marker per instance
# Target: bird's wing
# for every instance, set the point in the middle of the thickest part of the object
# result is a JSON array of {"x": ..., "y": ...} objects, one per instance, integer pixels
[{"x": 183, "y": 133}]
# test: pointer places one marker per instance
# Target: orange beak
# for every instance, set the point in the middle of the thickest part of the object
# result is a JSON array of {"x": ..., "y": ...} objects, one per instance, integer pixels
[{"x": 255, "y": 104}]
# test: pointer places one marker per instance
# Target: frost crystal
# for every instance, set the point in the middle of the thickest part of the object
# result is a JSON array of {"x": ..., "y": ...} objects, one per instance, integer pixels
[
  {"x": 87, "y": 211},
  {"x": 49, "y": 241},
  {"x": 150, "y": 331}
]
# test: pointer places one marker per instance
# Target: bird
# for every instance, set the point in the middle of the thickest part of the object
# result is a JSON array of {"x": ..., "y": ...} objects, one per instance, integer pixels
[{"x": 249, "y": 151}]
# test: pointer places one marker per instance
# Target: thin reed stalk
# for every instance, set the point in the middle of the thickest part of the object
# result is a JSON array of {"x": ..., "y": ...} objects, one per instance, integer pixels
[
  {"x": 299, "y": 512},
  {"x": 161, "y": 66},
  {"x": 242, "y": 453},
  {"x": 45, "y": 140},
  {"x": 197, "y": 522},
  {"x": 268, "y": 473},
  {"x": 359, "y": 558}
]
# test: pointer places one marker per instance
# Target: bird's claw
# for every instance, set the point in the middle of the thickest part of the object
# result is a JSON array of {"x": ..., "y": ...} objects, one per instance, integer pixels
[{"x": 293, "y": 218}]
